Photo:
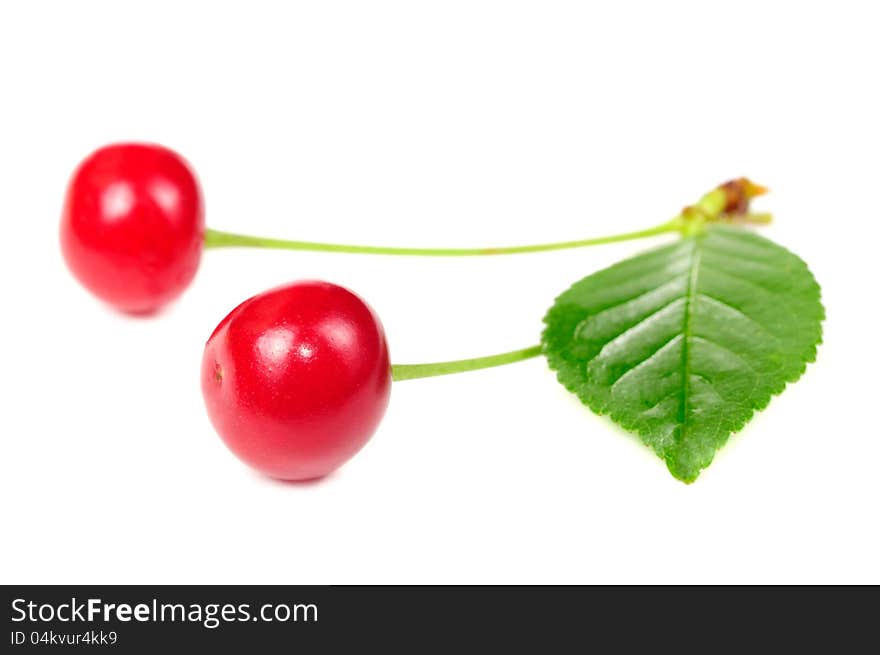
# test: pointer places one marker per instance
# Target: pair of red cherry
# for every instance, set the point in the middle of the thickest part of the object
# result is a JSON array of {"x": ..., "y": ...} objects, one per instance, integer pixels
[{"x": 295, "y": 379}]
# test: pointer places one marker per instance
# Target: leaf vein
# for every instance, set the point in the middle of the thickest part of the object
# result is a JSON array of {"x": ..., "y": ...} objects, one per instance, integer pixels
[
  {"x": 745, "y": 280},
  {"x": 709, "y": 384},
  {"x": 617, "y": 303},
  {"x": 738, "y": 312},
  {"x": 620, "y": 335},
  {"x": 662, "y": 400},
  {"x": 727, "y": 350},
  {"x": 644, "y": 362},
  {"x": 723, "y": 256}
]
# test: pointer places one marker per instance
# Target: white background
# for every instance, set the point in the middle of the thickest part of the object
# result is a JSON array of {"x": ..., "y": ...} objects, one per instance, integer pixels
[{"x": 444, "y": 123}]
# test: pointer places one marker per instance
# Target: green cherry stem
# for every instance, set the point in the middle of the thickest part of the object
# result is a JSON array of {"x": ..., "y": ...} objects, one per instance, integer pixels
[
  {"x": 218, "y": 239},
  {"x": 728, "y": 201},
  {"x": 413, "y": 371}
]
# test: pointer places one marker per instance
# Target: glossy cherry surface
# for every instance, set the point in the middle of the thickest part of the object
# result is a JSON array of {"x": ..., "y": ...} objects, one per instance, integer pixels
[
  {"x": 132, "y": 228},
  {"x": 297, "y": 379}
]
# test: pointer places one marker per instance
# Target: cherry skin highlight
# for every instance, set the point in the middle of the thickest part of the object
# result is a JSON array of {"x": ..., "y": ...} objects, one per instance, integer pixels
[
  {"x": 132, "y": 228},
  {"x": 297, "y": 379}
]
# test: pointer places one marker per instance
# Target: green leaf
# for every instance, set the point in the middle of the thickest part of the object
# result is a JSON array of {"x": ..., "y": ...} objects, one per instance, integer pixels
[{"x": 683, "y": 343}]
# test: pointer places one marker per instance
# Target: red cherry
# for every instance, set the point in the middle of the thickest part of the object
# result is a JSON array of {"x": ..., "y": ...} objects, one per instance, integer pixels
[
  {"x": 133, "y": 225},
  {"x": 296, "y": 379}
]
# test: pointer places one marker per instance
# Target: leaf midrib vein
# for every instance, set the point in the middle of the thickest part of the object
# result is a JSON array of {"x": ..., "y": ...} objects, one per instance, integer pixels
[{"x": 687, "y": 329}]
